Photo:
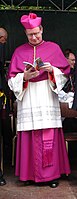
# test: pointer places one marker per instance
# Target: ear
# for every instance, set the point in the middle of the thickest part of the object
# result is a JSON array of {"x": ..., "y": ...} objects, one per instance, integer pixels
[{"x": 41, "y": 29}]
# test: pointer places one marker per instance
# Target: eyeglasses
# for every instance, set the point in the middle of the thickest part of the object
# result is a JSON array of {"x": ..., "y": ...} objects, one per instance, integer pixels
[
  {"x": 36, "y": 34},
  {"x": 72, "y": 60}
]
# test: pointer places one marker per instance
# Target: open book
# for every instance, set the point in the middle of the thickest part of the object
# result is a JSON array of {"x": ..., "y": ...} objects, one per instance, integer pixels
[{"x": 35, "y": 66}]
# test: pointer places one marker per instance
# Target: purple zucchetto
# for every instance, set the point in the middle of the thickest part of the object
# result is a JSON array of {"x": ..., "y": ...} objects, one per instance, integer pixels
[{"x": 30, "y": 21}]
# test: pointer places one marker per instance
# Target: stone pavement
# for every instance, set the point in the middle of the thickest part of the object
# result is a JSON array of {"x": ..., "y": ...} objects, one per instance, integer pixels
[{"x": 14, "y": 189}]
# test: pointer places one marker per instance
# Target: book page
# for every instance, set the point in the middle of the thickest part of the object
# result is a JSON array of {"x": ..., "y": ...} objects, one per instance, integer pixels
[
  {"x": 38, "y": 63},
  {"x": 28, "y": 65}
]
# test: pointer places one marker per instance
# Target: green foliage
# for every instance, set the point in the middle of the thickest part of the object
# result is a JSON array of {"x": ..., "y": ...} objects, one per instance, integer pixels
[
  {"x": 42, "y": 8},
  {"x": 13, "y": 7}
]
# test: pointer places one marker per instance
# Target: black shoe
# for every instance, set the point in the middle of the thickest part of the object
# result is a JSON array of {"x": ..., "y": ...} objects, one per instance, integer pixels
[
  {"x": 2, "y": 181},
  {"x": 54, "y": 184}
]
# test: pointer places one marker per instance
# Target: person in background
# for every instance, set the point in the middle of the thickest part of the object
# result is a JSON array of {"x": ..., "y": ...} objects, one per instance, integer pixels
[
  {"x": 74, "y": 105},
  {"x": 70, "y": 55},
  {"x": 41, "y": 154},
  {"x": 70, "y": 123},
  {"x": 67, "y": 93},
  {"x": 3, "y": 39},
  {"x": 70, "y": 84}
]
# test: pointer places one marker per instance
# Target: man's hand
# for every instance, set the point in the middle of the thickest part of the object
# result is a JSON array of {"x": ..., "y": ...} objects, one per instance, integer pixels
[
  {"x": 28, "y": 74},
  {"x": 46, "y": 67}
]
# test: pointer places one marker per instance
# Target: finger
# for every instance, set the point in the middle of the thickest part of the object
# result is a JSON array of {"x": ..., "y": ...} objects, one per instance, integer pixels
[{"x": 34, "y": 73}]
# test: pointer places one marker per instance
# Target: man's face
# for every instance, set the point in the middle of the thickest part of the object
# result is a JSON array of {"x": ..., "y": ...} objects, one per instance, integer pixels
[
  {"x": 71, "y": 60},
  {"x": 34, "y": 35},
  {"x": 3, "y": 39}
]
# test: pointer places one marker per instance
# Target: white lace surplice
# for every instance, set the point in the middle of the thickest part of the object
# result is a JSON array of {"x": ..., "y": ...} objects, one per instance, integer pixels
[{"x": 38, "y": 105}]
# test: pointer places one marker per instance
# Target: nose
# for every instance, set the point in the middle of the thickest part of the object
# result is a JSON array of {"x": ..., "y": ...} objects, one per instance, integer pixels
[{"x": 33, "y": 36}]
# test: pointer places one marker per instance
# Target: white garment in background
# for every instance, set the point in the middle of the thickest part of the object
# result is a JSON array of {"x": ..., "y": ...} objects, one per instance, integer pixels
[{"x": 66, "y": 97}]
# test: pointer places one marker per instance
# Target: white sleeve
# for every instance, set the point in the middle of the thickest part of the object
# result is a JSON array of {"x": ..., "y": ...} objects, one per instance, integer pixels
[
  {"x": 60, "y": 80},
  {"x": 16, "y": 85}
]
